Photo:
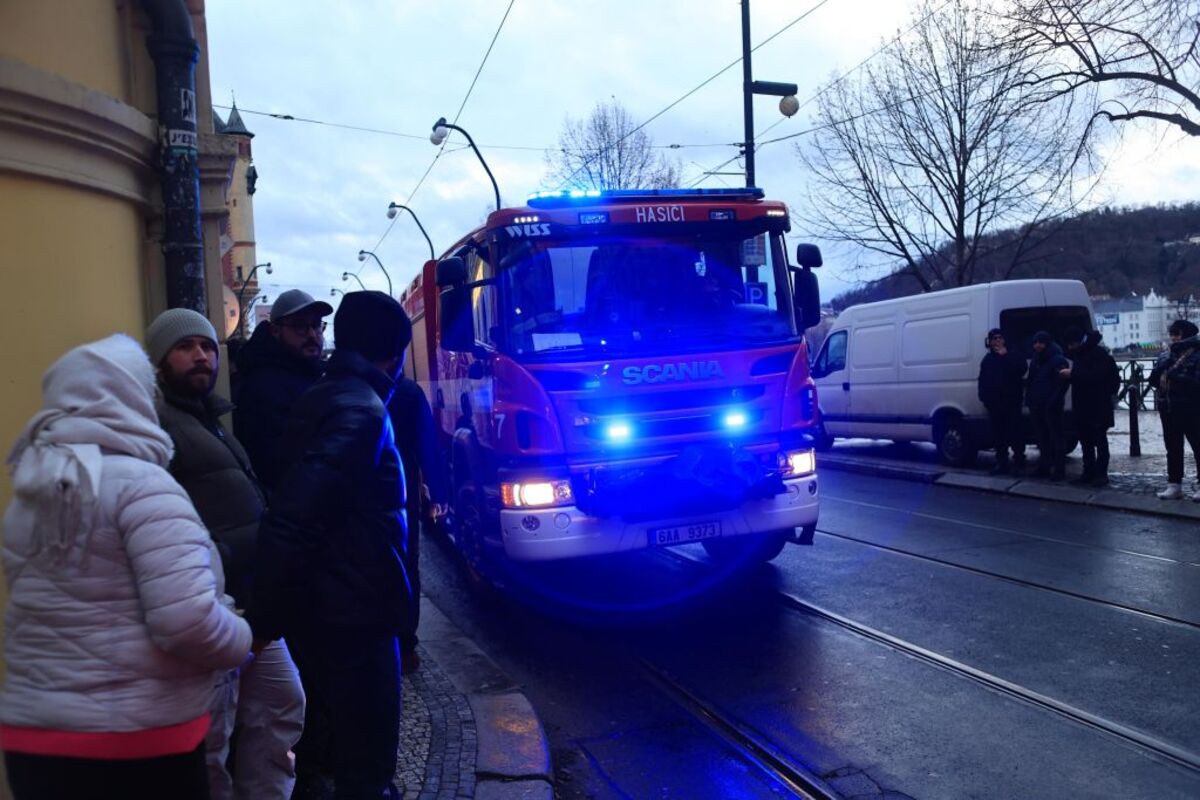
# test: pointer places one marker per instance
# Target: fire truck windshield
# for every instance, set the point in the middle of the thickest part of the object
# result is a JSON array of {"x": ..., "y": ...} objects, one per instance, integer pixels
[{"x": 633, "y": 295}]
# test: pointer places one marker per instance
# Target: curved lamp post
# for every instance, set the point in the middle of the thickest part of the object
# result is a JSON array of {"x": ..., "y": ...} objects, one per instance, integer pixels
[
  {"x": 441, "y": 129},
  {"x": 258, "y": 298},
  {"x": 348, "y": 275},
  {"x": 334, "y": 291},
  {"x": 362, "y": 256},
  {"x": 394, "y": 208},
  {"x": 242, "y": 294}
]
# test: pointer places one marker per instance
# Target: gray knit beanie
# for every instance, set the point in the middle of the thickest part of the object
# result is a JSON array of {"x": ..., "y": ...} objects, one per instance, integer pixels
[{"x": 171, "y": 326}]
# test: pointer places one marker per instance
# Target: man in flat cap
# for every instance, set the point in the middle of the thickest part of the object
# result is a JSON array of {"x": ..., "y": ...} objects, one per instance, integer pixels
[{"x": 278, "y": 364}]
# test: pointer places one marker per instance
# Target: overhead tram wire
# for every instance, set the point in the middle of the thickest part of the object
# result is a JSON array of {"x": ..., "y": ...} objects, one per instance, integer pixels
[
  {"x": 818, "y": 93},
  {"x": 688, "y": 94},
  {"x": 461, "y": 106}
]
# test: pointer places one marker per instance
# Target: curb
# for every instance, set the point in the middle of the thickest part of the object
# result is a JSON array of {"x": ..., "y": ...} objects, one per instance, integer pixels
[
  {"x": 1038, "y": 490},
  {"x": 513, "y": 755}
]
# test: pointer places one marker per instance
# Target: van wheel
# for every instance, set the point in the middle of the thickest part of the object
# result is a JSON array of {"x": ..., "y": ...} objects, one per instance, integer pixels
[
  {"x": 954, "y": 445},
  {"x": 750, "y": 549}
]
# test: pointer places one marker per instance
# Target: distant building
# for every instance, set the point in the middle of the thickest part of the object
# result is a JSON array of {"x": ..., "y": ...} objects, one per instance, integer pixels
[
  {"x": 238, "y": 255},
  {"x": 1141, "y": 321}
]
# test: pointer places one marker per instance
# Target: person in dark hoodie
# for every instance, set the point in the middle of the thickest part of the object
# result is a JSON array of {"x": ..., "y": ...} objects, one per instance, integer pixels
[
  {"x": 1001, "y": 377},
  {"x": 330, "y": 573},
  {"x": 1095, "y": 381},
  {"x": 1045, "y": 395},
  {"x": 278, "y": 364},
  {"x": 1176, "y": 379}
]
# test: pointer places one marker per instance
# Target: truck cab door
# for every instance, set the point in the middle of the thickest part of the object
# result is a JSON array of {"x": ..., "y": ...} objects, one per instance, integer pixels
[{"x": 833, "y": 383}]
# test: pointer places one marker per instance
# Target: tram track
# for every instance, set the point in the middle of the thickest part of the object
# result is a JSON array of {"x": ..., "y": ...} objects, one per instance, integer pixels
[
  {"x": 1125, "y": 734},
  {"x": 1141, "y": 612}
]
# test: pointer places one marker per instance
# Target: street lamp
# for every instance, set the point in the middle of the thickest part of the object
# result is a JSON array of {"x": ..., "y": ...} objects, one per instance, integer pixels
[
  {"x": 441, "y": 129},
  {"x": 394, "y": 208},
  {"x": 348, "y": 275},
  {"x": 334, "y": 291},
  {"x": 788, "y": 105},
  {"x": 362, "y": 256},
  {"x": 258, "y": 298},
  {"x": 242, "y": 294}
]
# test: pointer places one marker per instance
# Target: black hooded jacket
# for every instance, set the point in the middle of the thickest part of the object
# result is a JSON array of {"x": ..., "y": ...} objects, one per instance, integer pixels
[
  {"x": 1095, "y": 382},
  {"x": 1180, "y": 367},
  {"x": 1044, "y": 387},
  {"x": 331, "y": 546},
  {"x": 1000, "y": 380},
  {"x": 269, "y": 381}
]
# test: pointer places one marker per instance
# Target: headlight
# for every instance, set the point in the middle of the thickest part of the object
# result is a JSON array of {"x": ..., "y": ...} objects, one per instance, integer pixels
[
  {"x": 796, "y": 463},
  {"x": 536, "y": 494}
]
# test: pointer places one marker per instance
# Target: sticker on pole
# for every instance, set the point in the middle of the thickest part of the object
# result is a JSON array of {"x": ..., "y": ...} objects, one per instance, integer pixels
[
  {"x": 182, "y": 140},
  {"x": 187, "y": 105}
]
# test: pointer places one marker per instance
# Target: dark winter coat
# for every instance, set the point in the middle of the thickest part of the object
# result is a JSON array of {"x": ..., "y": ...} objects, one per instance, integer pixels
[
  {"x": 269, "y": 381},
  {"x": 416, "y": 439},
  {"x": 215, "y": 471},
  {"x": 1000, "y": 380},
  {"x": 1044, "y": 387},
  {"x": 331, "y": 546},
  {"x": 1180, "y": 366},
  {"x": 1095, "y": 382}
]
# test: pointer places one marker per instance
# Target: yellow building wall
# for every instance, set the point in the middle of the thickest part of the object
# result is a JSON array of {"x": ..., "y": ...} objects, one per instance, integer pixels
[
  {"x": 81, "y": 41},
  {"x": 70, "y": 278}
]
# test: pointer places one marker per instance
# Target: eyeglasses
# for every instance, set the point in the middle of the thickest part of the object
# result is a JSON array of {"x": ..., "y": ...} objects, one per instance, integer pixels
[{"x": 300, "y": 326}]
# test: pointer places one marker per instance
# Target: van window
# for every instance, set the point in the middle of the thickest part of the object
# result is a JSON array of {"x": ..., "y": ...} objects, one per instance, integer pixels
[
  {"x": 832, "y": 357},
  {"x": 1020, "y": 324},
  {"x": 935, "y": 341}
]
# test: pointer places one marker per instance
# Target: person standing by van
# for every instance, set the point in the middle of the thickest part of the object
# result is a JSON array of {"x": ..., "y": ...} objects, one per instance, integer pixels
[
  {"x": 1095, "y": 381},
  {"x": 1001, "y": 377},
  {"x": 1176, "y": 379},
  {"x": 1045, "y": 395}
]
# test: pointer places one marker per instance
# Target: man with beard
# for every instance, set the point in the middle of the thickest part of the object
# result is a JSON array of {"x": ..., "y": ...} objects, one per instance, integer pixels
[
  {"x": 278, "y": 364},
  {"x": 264, "y": 699}
]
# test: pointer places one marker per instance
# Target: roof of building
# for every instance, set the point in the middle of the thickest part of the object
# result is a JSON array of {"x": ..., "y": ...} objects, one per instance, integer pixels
[
  {"x": 234, "y": 124},
  {"x": 1117, "y": 306},
  {"x": 218, "y": 123}
]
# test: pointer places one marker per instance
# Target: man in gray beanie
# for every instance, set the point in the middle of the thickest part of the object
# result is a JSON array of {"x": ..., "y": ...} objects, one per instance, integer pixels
[{"x": 264, "y": 699}]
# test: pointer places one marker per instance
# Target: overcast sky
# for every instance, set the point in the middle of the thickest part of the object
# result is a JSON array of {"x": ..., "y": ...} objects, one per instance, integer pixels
[{"x": 397, "y": 66}]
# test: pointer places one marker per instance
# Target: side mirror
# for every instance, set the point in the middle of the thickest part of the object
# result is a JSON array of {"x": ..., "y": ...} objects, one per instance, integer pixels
[
  {"x": 457, "y": 324},
  {"x": 451, "y": 271},
  {"x": 808, "y": 255},
  {"x": 806, "y": 297}
]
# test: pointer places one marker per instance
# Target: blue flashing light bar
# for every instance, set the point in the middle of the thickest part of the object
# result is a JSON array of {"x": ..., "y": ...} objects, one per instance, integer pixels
[{"x": 560, "y": 199}]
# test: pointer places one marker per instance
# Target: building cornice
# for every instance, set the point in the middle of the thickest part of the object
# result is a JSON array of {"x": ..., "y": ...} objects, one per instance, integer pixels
[{"x": 54, "y": 129}]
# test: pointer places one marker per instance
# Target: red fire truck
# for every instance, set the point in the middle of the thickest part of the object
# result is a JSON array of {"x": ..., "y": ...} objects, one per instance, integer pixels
[{"x": 621, "y": 370}]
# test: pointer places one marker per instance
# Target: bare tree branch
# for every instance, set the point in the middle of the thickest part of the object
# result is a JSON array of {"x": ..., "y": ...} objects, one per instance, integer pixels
[{"x": 605, "y": 152}]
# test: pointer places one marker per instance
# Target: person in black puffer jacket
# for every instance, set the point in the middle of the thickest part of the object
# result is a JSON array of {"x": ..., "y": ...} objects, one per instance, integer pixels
[
  {"x": 1176, "y": 381},
  {"x": 1001, "y": 374},
  {"x": 281, "y": 360},
  {"x": 1095, "y": 382},
  {"x": 331, "y": 569},
  {"x": 1045, "y": 395}
]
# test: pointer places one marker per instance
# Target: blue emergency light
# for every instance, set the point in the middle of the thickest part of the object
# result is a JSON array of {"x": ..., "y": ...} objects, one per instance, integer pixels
[
  {"x": 618, "y": 432},
  {"x": 563, "y": 199}
]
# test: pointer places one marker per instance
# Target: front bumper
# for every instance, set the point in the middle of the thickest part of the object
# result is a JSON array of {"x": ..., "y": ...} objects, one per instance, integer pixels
[{"x": 566, "y": 532}]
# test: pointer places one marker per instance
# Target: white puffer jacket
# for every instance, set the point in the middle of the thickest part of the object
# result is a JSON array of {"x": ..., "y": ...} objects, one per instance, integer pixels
[{"x": 115, "y": 620}]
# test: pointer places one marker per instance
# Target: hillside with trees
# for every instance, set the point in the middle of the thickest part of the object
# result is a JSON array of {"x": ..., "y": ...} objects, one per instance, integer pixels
[{"x": 1114, "y": 251}]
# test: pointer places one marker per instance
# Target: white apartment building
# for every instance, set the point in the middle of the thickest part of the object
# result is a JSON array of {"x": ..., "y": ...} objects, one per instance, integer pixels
[{"x": 1141, "y": 321}]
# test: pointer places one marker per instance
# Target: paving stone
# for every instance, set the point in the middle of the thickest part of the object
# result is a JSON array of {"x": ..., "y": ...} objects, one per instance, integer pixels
[
  {"x": 513, "y": 790},
  {"x": 511, "y": 742}
]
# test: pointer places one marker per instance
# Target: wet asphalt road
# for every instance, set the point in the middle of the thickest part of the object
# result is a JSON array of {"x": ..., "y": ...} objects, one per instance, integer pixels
[{"x": 1096, "y": 612}]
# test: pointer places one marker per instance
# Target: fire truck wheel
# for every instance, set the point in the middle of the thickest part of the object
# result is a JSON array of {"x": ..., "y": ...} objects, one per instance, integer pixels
[
  {"x": 750, "y": 549},
  {"x": 468, "y": 537}
]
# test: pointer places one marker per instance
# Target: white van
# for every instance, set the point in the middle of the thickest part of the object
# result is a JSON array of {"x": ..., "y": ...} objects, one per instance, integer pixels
[{"x": 906, "y": 369}]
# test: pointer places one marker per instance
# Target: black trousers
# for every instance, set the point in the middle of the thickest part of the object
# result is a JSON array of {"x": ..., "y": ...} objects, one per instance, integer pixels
[
  {"x": 181, "y": 777},
  {"x": 412, "y": 566},
  {"x": 1094, "y": 441},
  {"x": 1006, "y": 432},
  {"x": 1048, "y": 426},
  {"x": 352, "y": 683},
  {"x": 1176, "y": 428}
]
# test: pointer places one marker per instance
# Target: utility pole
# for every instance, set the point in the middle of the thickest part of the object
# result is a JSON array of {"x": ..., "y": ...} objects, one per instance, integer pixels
[{"x": 788, "y": 105}]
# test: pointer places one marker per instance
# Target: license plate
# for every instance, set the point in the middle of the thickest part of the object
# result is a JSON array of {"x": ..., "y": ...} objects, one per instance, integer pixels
[{"x": 682, "y": 534}]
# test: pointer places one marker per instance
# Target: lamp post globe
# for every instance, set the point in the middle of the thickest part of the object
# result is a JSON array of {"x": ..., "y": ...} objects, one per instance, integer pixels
[{"x": 788, "y": 106}]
